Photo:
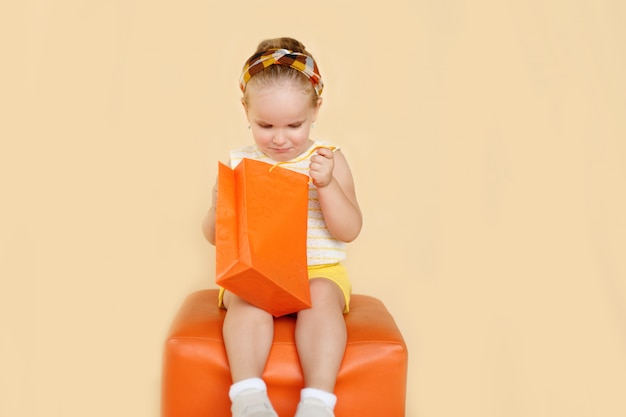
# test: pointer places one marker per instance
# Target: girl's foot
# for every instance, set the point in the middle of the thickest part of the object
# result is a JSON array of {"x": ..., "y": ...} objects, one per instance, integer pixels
[
  {"x": 312, "y": 407},
  {"x": 252, "y": 403}
]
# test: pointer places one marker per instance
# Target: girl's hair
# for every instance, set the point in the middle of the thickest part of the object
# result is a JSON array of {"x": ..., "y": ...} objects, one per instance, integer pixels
[{"x": 274, "y": 74}]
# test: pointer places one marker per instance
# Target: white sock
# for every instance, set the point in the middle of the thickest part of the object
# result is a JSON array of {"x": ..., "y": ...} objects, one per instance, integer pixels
[
  {"x": 326, "y": 397},
  {"x": 251, "y": 383}
]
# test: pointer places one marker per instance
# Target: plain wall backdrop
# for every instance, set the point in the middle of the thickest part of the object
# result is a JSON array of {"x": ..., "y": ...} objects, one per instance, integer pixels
[{"x": 488, "y": 143}]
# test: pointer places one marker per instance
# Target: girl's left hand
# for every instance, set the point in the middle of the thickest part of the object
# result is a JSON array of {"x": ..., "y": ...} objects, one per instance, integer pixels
[{"x": 321, "y": 167}]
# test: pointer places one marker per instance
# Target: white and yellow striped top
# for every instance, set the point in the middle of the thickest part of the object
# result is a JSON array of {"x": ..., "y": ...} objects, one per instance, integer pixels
[{"x": 322, "y": 248}]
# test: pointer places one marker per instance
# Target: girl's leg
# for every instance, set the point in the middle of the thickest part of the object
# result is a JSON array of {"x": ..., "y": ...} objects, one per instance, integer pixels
[
  {"x": 321, "y": 340},
  {"x": 248, "y": 332}
]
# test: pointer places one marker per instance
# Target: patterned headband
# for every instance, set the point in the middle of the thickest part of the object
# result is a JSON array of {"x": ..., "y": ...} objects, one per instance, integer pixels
[{"x": 301, "y": 62}]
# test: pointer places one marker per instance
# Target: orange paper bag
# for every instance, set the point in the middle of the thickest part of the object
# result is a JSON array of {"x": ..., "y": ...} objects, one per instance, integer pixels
[{"x": 260, "y": 239}]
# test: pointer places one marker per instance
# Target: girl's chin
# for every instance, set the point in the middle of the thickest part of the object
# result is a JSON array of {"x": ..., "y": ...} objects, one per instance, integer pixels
[{"x": 280, "y": 155}]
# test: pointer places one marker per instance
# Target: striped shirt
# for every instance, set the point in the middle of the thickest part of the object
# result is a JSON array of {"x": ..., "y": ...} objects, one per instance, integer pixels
[{"x": 322, "y": 248}]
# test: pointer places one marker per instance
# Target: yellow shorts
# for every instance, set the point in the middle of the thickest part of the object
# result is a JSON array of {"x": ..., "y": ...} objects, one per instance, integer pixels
[{"x": 337, "y": 273}]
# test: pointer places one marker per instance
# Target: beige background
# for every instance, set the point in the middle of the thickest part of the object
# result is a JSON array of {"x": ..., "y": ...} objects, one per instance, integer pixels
[{"x": 487, "y": 139}]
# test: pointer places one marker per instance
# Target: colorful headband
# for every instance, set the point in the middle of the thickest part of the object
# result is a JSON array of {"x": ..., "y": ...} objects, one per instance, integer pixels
[{"x": 301, "y": 62}]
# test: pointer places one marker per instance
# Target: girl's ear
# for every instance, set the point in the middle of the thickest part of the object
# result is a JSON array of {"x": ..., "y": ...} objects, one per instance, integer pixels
[
  {"x": 317, "y": 108},
  {"x": 245, "y": 109}
]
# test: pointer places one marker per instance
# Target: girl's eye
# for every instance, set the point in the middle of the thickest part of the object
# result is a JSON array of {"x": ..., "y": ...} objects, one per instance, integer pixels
[{"x": 295, "y": 126}]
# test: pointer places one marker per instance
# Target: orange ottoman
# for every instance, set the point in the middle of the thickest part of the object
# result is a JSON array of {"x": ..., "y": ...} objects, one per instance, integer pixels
[{"x": 196, "y": 379}]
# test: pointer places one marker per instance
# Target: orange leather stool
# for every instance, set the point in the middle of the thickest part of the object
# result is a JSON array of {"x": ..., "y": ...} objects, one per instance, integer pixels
[{"x": 196, "y": 379}]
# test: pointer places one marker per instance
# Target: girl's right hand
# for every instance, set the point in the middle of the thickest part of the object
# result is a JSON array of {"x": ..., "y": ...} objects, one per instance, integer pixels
[{"x": 214, "y": 196}]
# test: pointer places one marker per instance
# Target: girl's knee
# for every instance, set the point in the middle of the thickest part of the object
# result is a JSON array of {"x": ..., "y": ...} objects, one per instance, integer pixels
[
  {"x": 233, "y": 302},
  {"x": 325, "y": 292}
]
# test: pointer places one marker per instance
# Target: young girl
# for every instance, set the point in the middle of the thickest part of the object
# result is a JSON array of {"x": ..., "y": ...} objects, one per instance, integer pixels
[{"x": 281, "y": 87}]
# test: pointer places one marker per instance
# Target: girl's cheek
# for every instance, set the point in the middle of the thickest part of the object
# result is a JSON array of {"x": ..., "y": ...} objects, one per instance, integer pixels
[{"x": 262, "y": 135}]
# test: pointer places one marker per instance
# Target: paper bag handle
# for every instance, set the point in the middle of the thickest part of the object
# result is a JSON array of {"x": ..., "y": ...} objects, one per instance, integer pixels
[{"x": 302, "y": 158}]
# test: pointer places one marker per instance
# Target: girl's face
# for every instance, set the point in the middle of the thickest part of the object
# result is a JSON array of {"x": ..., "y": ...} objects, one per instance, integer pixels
[{"x": 280, "y": 118}]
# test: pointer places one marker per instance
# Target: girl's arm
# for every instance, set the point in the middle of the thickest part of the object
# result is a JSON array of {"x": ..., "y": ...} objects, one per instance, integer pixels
[
  {"x": 208, "y": 223},
  {"x": 335, "y": 189}
]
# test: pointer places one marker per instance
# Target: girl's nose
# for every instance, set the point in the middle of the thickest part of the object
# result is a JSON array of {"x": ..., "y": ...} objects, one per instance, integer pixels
[{"x": 279, "y": 138}]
